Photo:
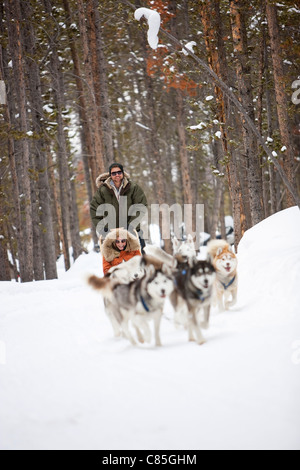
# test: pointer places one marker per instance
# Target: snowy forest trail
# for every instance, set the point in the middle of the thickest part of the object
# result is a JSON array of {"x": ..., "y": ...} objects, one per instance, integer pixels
[{"x": 66, "y": 383}]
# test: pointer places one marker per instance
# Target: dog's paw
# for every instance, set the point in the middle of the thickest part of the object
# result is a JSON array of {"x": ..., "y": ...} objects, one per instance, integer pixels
[
  {"x": 204, "y": 325},
  {"x": 228, "y": 305},
  {"x": 201, "y": 342},
  {"x": 139, "y": 336},
  {"x": 148, "y": 338}
]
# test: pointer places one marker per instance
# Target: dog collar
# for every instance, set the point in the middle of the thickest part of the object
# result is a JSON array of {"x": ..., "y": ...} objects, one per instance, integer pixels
[
  {"x": 144, "y": 304},
  {"x": 200, "y": 295},
  {"x": 226, "y": 286}
]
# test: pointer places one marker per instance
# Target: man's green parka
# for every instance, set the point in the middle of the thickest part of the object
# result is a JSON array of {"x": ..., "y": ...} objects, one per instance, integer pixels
[{"x": 107, "y": 195}]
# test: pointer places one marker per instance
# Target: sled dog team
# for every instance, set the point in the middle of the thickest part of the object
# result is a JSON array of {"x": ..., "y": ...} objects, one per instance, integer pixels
[{"x": 136, "y": 287}]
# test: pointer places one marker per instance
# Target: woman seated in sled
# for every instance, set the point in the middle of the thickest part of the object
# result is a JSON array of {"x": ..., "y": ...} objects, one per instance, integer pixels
[{"x": 118, "y": 247}]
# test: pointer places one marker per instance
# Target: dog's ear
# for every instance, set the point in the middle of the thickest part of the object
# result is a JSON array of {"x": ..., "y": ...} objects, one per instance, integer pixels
[
  {"x": 175, "y": 243},
  {"x": 209, "y": 258},
  {"x": 143, "y": 263},
  {"x": 190, "y": 240},
  {"x": 166, "y": 270},
  {"x": 220, "y": 250},
  {"x": 150, "y": 270},
  {"x": 192, "y": 261}
]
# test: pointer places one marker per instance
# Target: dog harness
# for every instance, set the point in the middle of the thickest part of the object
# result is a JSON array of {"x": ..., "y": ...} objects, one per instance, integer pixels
[
  {"x": 198, "y": 292},
  {"x": 200, "y": 295},
  {"x": 145, "y": 305},
  {"x": 226, "y": 286}
]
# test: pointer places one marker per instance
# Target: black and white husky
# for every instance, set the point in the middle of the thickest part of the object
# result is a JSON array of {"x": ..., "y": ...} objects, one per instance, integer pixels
[
  {"x": 138, "y": 302},
  {"x": 192, "y": 296}
]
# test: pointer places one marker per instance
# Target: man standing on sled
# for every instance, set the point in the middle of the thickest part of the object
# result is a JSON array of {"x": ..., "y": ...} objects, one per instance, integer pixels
[{"x": 116, "y": 194}]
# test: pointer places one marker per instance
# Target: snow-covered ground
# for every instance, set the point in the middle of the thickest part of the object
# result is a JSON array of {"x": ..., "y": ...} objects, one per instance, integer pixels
[{"x": 66, "y": 383}]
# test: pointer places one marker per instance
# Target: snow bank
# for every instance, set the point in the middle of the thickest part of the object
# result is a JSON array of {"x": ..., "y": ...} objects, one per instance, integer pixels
[
  {"x": 66, "y": 383},
  {"x": 270, "y": 255}
]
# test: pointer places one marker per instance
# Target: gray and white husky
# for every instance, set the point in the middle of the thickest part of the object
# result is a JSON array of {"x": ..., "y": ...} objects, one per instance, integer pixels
[
  {"x": 129, "y": 271},
  {"x": 192, "y": 296},
  {"x": 138, "y": 302},
  {"x": 185, "y": 248}
]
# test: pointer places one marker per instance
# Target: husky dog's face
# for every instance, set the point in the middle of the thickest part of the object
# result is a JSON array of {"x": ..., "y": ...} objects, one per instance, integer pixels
[
  {"x": 125, "y": 276},
  {"x": 161, "y": 286},
  {"x": 138, "y": 274},
  {"x": 226, "y": 262},
  {"x": 203, "y": 275},
  {"x": 185, "y": 249}
]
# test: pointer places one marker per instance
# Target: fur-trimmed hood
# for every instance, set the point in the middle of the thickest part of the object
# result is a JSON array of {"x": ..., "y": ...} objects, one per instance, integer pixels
[
  {"x": 105, "y": 178},
  {"x": 108, "y": 247}
]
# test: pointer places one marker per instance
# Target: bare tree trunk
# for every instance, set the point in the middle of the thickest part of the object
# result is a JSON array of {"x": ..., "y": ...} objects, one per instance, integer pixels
[
  {"x": 184, "y": 160},
  {"x": 222, "y": 217},
  {"x": 211, "y": 20},
  {"x": 57, "y": 211},
  {"x": 62, "y": 156},
  {"x": 4, "y": 263},
  {"x": 239, "y": 34},
  {"x": 86, "y": 138},
  {"x": 45, "y": 229},
  {"x": 152, "y": 144},
  {"x": 188, "y": 198},
  {"x": 83, "y": 110},
  {"x": 68, "y": 198},
  {"x": 38, "y": 265},
  {"x": 156, "y": 158},
  {"x": 100, "y": 80},
  {"x": 97, "y": 163},
  {"x": 92, "y": 44},
  {"x": 281, "y": 98},
  {"x": 218, "y": 190},
  {"x": 271, "y": 114},
  {"x": 261, "y": 80},
  {"x": 12, "y": 163},
  {"x": 74, "y": 220},
  {"x": 13, "y": 13}
]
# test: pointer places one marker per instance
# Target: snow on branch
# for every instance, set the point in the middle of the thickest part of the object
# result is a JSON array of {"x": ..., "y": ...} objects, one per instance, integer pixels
[
  {"x": 153, "y": 18},
  {"x": 190, "y": 46}
]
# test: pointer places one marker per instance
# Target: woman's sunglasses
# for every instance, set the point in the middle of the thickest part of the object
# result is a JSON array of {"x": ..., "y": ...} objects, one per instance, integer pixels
[
  {"x": 121, "y": 241},
  {"x": 117, "y": 173}
]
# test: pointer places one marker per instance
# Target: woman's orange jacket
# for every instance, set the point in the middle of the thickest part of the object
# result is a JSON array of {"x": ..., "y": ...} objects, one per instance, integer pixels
[{"x": 124, "y": 256}]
